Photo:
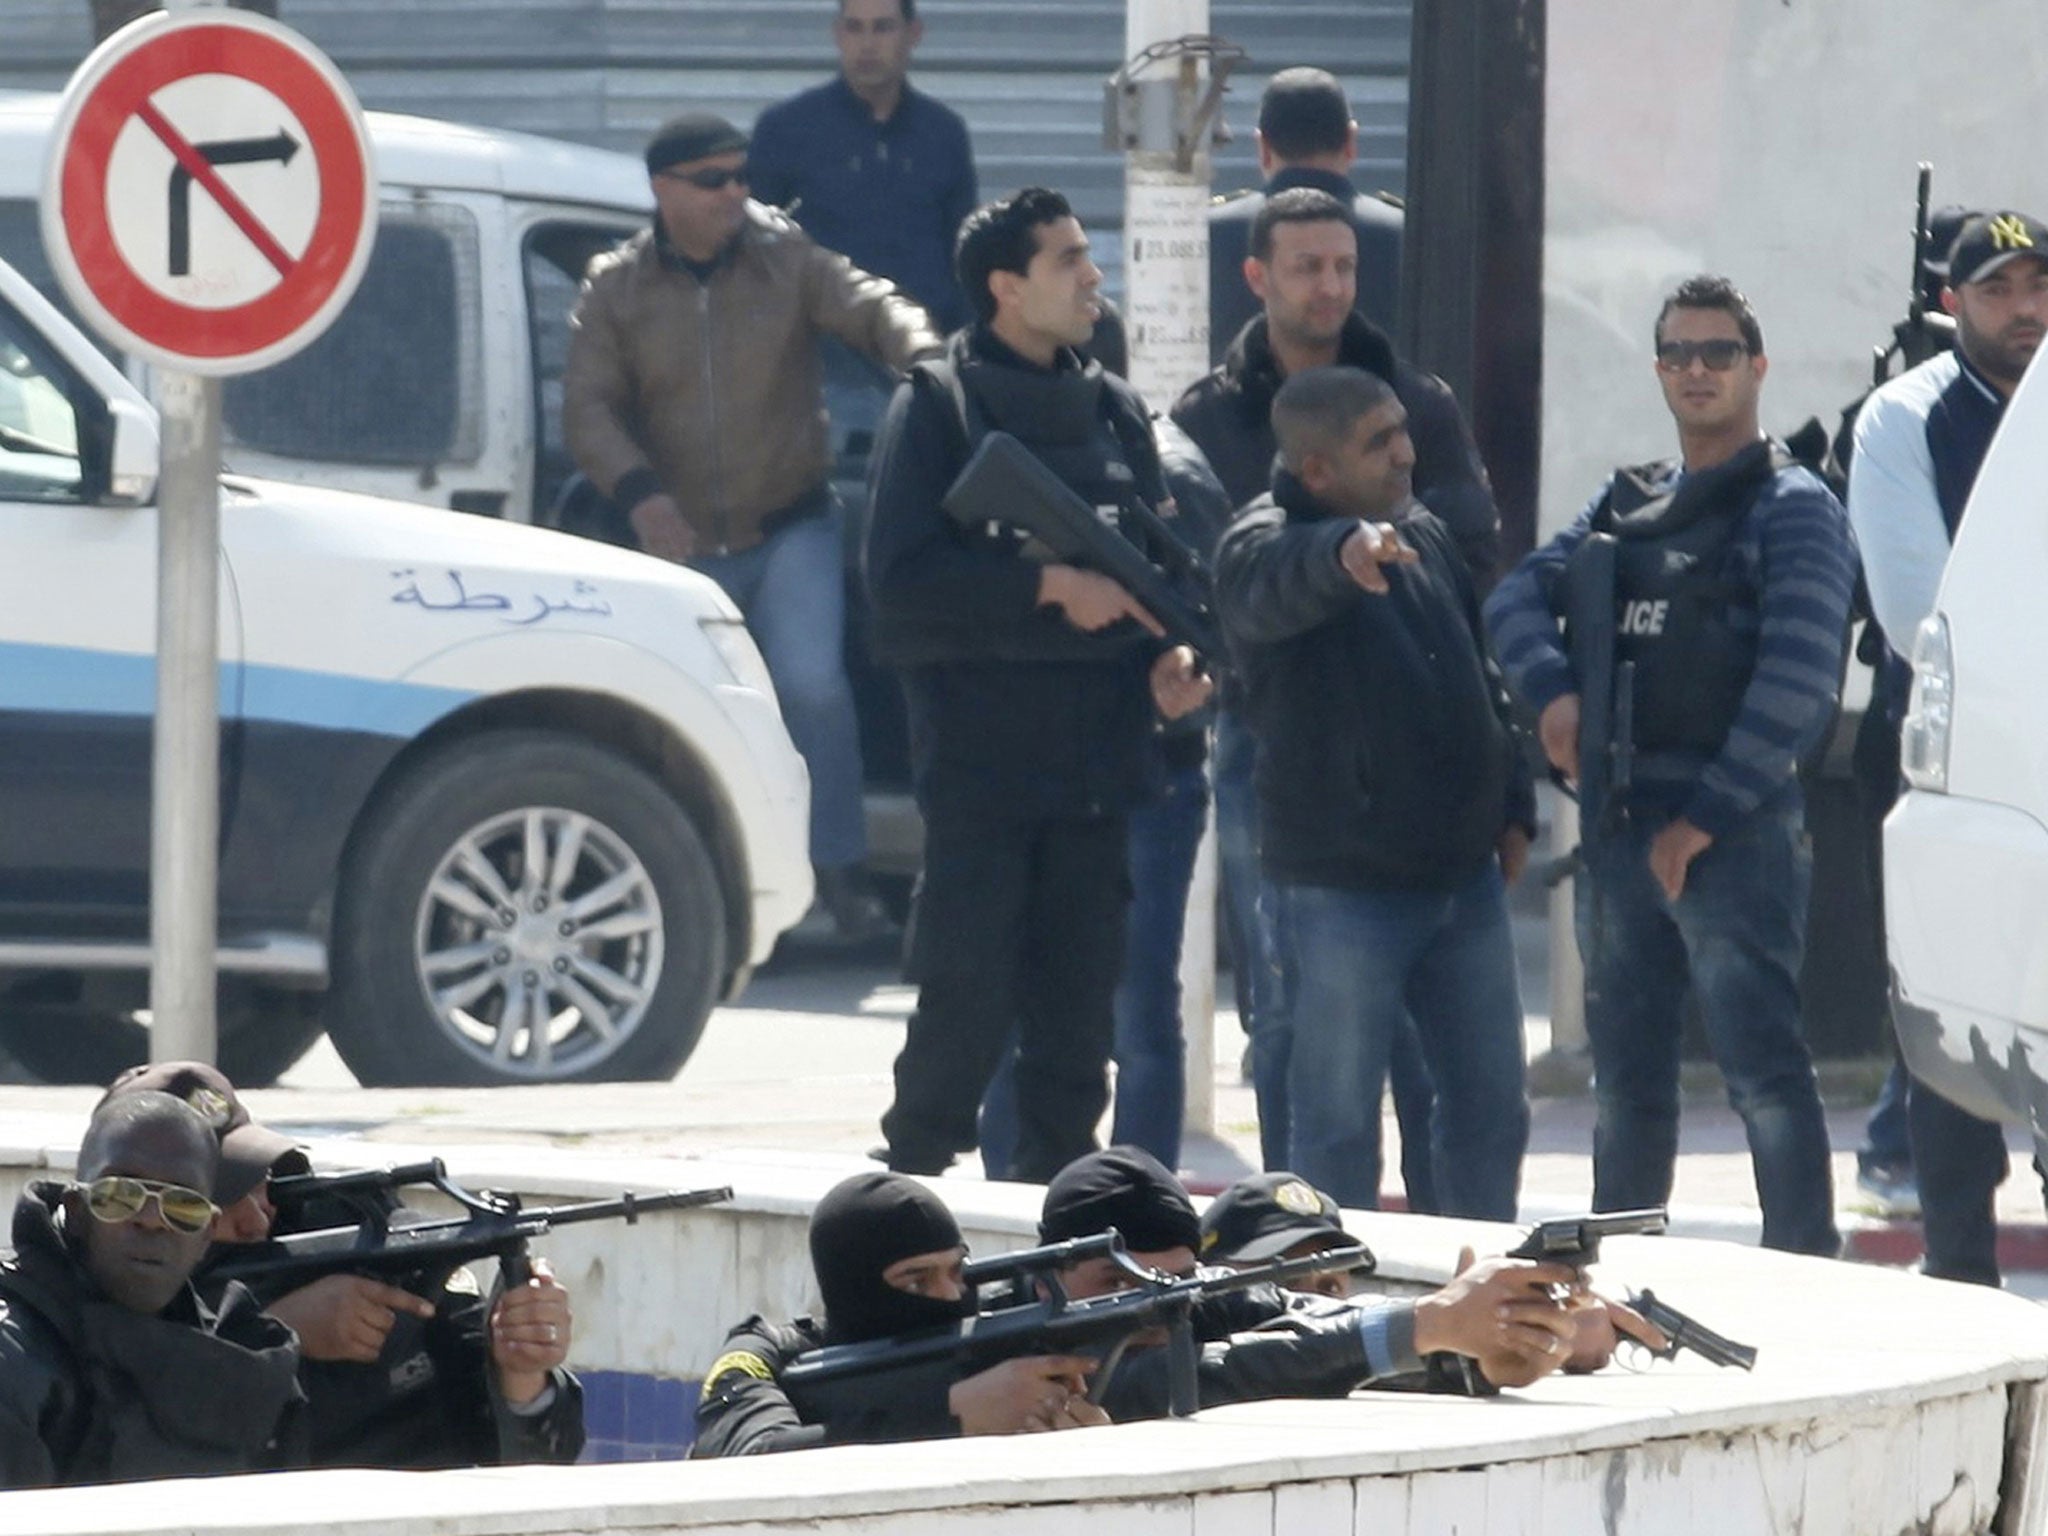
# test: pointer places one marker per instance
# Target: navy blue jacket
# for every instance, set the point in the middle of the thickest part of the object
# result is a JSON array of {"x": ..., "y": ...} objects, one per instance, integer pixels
[
  {"x": 1378, "y": 223},
  {"x": 888, "y": 196}
]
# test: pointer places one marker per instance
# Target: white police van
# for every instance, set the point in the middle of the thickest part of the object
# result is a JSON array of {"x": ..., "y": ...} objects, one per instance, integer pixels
[
  {"x": 498, "y": 805},
  {"x": 1966, "y": 850}
]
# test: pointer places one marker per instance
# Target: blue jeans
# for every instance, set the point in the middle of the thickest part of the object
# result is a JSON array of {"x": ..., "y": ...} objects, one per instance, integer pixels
[
  {"x": 791, "y": 590},
  {"x": 1249, "y": 928},
  {"x": 1735, "y": 937},
  {"x": 1150, "y": 1052},
  {"x": 1247, "y": 931},
  {"x": 1355, "y": 967}
]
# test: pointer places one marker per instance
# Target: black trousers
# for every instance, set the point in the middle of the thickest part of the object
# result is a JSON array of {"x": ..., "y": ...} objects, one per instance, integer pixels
[
  {"x": 1958, "y": 1160},
  {"x": 1020, "y": 929}
]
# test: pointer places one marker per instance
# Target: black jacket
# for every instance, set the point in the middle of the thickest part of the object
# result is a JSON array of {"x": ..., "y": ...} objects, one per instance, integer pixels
[
  {"x": 743, "y": 1410},
  {"x": 91, "y": 1392},
  {"x": 1387, "y": 756},
  {"x": 1229, "y": 415},
  {"x": 1012, "y": 709}
]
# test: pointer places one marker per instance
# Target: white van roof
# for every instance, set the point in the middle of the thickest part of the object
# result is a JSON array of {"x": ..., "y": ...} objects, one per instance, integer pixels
[{"x": 411, "y": 152}]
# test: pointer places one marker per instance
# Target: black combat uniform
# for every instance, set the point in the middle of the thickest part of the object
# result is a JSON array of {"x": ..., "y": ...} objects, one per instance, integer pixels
[
  {"x": 431, "y": 1397},
  {"x": 1030, "y": 743},
  {"x": 92, "y": 1392}
]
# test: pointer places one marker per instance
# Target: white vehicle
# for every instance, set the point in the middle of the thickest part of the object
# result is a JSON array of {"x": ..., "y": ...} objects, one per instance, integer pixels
[
  {"x": 498, "y": 805},
  {"x": 440, "y": 382},
  {"x": 1966, "y": 850}
]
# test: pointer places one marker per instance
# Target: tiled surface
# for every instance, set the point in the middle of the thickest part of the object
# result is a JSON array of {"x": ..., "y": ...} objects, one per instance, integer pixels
[{"x": 637, "y": 1418}]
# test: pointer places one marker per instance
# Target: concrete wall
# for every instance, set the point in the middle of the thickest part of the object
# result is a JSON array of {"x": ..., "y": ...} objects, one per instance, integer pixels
[
  {"x": 1881, "y": 1402},
  {"x": 1775, "y": 141}
]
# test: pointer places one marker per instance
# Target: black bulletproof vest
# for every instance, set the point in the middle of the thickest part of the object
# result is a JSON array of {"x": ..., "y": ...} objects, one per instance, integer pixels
[
  {"x": 1686, "y": 613},
  {"x": 1063, "y": 417}
]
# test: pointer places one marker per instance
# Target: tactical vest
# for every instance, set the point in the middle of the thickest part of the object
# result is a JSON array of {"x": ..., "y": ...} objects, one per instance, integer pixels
[
  {"x": 1066, "y": 418},
  {"x": 1686, "y": 612}
]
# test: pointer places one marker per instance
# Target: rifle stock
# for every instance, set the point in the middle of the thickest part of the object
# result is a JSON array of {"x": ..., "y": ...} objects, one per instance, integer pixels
[{"x": 1005, "y": 482}]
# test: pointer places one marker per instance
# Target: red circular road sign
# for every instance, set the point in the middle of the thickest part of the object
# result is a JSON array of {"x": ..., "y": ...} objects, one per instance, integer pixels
[{"x": 209, "y": 200}]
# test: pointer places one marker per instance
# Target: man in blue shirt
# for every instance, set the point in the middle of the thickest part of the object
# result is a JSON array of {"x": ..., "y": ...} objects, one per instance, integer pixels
[
  {"x": 1733, "y": 569},
  {"x": 871, "y": 168}
]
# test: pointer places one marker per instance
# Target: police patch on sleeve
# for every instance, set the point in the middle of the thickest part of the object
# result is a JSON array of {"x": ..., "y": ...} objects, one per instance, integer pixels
[{"x": 743, "y": 1362}]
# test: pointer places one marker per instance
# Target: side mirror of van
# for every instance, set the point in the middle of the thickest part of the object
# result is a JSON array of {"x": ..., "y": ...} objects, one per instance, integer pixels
[{"x": 133, "y": 455}]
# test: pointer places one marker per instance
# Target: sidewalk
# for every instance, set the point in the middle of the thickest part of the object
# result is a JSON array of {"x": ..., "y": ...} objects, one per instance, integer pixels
[{"x": 800, "y": 1067}]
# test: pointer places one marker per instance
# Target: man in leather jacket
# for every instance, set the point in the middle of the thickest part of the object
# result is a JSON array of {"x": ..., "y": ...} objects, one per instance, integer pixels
[
  {"x": 112, "y": 1366},
  {"x": 693, "y": 398}
]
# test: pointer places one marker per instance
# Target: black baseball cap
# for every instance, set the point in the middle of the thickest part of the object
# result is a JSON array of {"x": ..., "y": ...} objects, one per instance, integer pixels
[
  {"x": 1122, "y": 1187},
  {"x": 1261, "y": 1217},
  {"x": 1990, "y": 240},
  {"x": 248, "y": 1151},
  {"x": 692, "y": 136}
]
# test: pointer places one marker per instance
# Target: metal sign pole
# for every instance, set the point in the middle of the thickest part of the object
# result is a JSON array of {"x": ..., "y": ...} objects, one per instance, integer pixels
[
  {"x": 184, "y": 874},
  {"x": 1160, "y": 110},
  {"x": 184, "y": 832}
]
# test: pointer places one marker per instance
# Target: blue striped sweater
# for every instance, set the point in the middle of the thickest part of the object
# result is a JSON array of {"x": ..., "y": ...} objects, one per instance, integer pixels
[{"x": 1796, "y": 545}]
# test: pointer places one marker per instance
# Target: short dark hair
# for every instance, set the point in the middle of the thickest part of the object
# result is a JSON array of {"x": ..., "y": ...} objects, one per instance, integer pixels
[
  {"x": 1315, "y": 409},
  {"x": 1708, "y": 291},
  {"x": 908, "y": 7},
  {"x": 1297, "y": 205},
  {"x": 1002, "y": 237},
  {"x": 1304, "y": 113}
]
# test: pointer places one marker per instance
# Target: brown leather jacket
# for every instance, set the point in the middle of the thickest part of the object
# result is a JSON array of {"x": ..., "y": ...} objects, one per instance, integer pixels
[{"x": 712, "y": 390}]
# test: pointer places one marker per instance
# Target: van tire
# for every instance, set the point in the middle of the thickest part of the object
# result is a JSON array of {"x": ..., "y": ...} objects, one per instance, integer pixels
[
  {"x": 263, "y": 1031},
  {"x": 439, "y": 978}
]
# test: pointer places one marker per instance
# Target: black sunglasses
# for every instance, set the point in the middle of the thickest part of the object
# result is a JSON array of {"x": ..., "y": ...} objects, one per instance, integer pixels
[
  {"x": 117, "y": 1198},
  {"x": 1720, "y": 355},
  {"x": 707, "y": 181}
]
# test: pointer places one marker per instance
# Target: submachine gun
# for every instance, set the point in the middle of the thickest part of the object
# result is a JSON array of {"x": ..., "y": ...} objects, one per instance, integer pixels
[
  {"x": 1005, "y": 482},
  {"x": 1035, "y": 1316},
  {"x": 494, "y": 1226}
]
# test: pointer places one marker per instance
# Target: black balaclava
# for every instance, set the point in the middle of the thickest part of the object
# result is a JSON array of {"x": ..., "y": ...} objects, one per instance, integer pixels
[{"x": 865, "y": 1224}]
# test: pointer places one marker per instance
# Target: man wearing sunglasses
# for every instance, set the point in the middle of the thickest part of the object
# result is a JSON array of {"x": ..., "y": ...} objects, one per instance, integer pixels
[
  {"x": 393, "y": 1379},
  {"x": 1732, "y": 575},
  {"x": 112, "y": 1366},
  {"x": 693, "y": 398}
]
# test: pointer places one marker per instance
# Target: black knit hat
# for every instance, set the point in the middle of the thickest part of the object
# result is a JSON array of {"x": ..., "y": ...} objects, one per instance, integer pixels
[
  {"x": 692, "y": 136},
  {"x": 1125, "y": 1188}
]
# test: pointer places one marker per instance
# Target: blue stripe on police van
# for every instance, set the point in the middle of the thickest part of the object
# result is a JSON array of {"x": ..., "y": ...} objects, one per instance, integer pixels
[{"x": 75, "y": 680}]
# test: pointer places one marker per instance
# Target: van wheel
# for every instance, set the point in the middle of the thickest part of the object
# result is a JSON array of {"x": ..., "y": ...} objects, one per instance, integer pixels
[
  {"x": 525, "y": 907},
  {"x": 263, "y": 1032}
]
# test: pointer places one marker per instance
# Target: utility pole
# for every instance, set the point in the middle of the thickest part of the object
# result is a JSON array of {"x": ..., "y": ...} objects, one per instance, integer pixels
[{"x": 1160, "y": 110}]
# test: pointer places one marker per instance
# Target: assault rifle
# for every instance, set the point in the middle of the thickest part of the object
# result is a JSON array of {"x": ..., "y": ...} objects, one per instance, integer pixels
[
  {"x": 1005, "y": 482},
  {"x": 1607, "y": 687},
  {"x": 1924, "y": 332},
  {"x": 1686, "y": 1333},
  {"x": 495, "y": 1226},
  {"x": 1575, "y": 1240},
  {"x": 1041, "y": 1319}
]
